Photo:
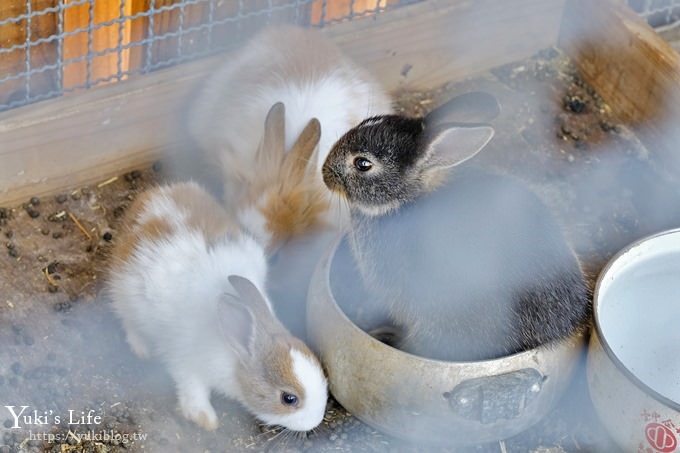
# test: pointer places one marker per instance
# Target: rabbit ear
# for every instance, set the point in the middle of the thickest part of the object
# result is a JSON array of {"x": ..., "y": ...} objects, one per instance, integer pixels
[
  {"x": 472, "y": 107},
  {"x": 249, "y": 293},
  {"x": 272, "y": 147},
  {"x": 454, "y": 145},
  {"x": 237, "y": 323},
  {"x": 238, "y": 314},
  {"x": 302, "y": 154},
  {"x": 275, "y": 128}
]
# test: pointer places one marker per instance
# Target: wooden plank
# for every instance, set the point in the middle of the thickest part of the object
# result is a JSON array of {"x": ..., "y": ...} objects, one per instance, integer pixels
[
  {"x": 101, "y": 132},
  {"x": 85, "y": 138},
  {"x": 634, "y": 70},
  {"x": 428, "y": 44}
]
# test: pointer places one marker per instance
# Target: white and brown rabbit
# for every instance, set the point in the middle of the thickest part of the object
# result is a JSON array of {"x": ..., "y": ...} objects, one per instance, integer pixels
[
  {"x": 187, "y": 283},
  {"x": 460, "y": 264},
  {"x": 305, "y": 71},
  {"x": 285, "y": 201},
  {"x": 286, "y": 213}
]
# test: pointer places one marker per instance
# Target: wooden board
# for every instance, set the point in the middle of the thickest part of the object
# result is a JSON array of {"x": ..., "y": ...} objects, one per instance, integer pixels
[
  {"x": 634, "y": 70},
  {"x": 90, "y": 136},
  {"x": 84, "y": 138},
  {"x": 428, "y": 44}
]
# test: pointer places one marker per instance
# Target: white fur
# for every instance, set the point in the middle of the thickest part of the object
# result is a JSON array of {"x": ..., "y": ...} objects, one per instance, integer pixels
[
  {"x": 166, "y": 296},
  {"x": 327, "y": 99},
  {"x": 316, "y": 389},
  {"x": 252, "y": 219},
  {"x": 174, "y": 284},
  {"x": 164, "y": 207},
  {"x": 378, "y": 210},
  {"x": 301, "y": 68},
  {"x": 372, "y": 122}
]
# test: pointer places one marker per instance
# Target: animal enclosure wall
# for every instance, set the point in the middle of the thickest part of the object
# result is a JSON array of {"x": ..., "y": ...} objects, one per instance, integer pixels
[
  {"x": 119, "y": 77},
  {"x": 52, "y": 47}
]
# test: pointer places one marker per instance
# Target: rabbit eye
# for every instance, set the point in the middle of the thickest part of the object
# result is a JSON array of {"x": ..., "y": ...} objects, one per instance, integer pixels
[
  {"x": 288, "y": 399},
  {"x": 362, "y": 164}
]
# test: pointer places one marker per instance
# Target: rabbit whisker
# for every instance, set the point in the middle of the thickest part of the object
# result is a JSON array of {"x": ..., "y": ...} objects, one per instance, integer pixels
[
  {"x": 279, "y": 435},
  {"x": 341, "y": 202}
]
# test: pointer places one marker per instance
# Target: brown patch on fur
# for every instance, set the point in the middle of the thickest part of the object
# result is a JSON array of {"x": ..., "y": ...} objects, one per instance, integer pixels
[
  {"x": 281, "y": 370},
  {"x": 154, "y": 228},
  {"x": 127, "y": 241},
  {"x": 300, "y": 345},
  {"x": 204, "y": 213},
  {"x": 204, "y": 422},
  {"x": 269, "y": 369},
  {"x": 294, "y": 211},
  {"x": 292, "y": 198},
  {"x": 125, "y": 246},
  {"x": 301, "y": 44}
]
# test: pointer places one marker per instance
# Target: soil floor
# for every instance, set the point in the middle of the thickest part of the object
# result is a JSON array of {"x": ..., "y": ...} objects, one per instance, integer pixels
[{"x": 63, "y": 353}]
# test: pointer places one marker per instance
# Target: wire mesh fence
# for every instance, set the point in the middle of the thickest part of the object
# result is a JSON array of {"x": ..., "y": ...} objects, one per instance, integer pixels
[{"x": 52, "y": 47}]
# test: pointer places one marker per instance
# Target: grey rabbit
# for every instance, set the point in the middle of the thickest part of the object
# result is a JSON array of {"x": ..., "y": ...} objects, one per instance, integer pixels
[{"x": 458, "y": 263}]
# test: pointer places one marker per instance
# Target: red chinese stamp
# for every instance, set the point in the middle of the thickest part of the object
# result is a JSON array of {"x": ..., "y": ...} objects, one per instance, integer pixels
[{"x": 661, "y": 437}]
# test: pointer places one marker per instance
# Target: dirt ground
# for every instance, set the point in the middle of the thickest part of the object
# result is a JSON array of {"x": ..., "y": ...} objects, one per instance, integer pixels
[{"x": 63, "y": 353}]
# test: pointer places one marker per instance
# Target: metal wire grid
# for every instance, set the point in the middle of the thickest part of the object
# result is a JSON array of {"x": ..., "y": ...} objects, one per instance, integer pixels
[
  {"x": 658, "y": 13},
  {"x": 145, "y": 43},
  {"x": 21, "y": 92},
  {"x": 293, "y": 11}
]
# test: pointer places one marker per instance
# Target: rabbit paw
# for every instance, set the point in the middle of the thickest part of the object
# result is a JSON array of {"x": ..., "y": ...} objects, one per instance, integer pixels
[
  {"x": 137, "y": 345},
  {"x": 196, "y": 406}
]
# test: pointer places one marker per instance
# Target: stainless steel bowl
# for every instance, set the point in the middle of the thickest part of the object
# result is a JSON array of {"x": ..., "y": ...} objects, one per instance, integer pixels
[
  {"x": 426, "y": 400},
  {"x": 633, "y": 365}
]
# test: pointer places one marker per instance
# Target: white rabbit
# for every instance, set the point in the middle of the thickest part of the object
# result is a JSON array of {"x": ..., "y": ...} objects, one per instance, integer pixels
[
  {"x": 173, "y": 284},
  {"x": 300, "y": 68}
]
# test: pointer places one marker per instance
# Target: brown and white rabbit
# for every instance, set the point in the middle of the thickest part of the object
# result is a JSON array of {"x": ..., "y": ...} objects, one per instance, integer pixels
[
  {"x": 186, "y": 282},
  {"x": 285, "y": 201},
  {"x": 287, "y": 213},
  {"x": 461, "y": 264},
  {"x": 309, "y": 74}
]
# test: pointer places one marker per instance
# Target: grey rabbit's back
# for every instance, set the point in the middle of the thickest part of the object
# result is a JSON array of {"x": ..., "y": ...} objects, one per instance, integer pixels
[{"x": 477, "y": 269}]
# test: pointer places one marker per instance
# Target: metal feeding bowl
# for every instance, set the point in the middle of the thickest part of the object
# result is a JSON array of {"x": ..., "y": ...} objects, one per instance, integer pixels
[{"x": 419, "y": 399}]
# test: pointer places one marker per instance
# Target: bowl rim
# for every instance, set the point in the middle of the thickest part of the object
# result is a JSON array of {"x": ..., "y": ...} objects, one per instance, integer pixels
[
  {"x": 609, "y": 351},
  {"x": 568, "y": 342}
]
